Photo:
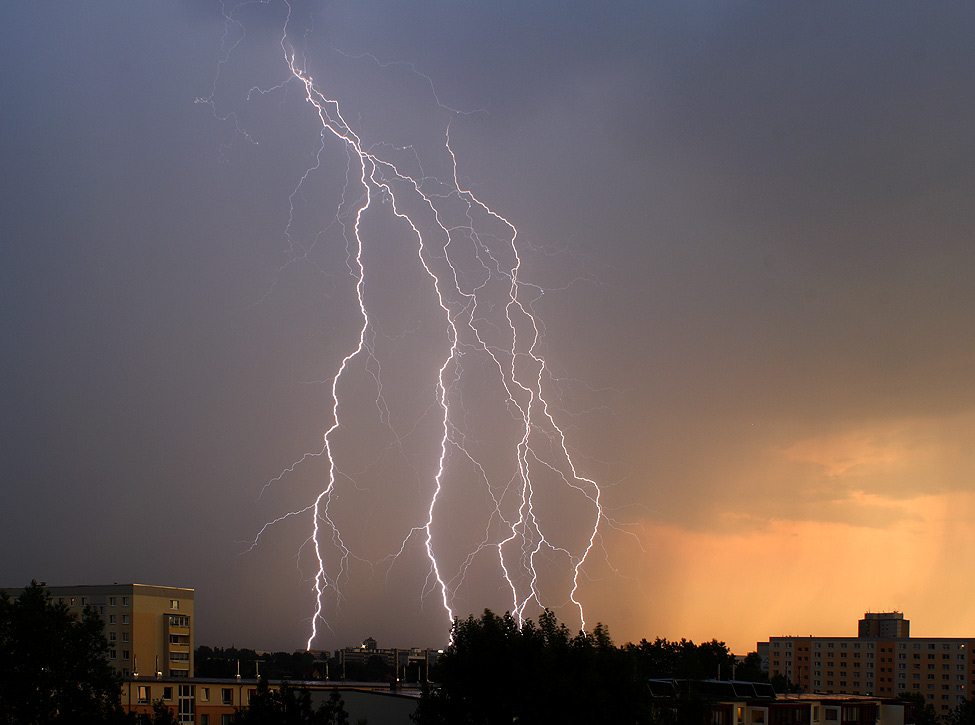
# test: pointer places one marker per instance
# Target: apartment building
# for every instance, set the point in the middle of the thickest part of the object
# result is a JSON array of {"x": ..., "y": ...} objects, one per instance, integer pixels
[
  {"x": 883, "y": 660},
  {"x": 149, "y": 628}
]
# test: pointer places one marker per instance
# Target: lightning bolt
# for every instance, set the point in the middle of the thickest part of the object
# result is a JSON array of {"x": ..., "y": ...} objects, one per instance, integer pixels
[{"x": 471, "y": 256}]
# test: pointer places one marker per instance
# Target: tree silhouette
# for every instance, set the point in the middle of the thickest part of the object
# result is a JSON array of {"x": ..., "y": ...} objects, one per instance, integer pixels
[
  {"x": 496, "y": 672},
  {"x": 54, "y": 668},
  {"x": 290, "y": 705}
]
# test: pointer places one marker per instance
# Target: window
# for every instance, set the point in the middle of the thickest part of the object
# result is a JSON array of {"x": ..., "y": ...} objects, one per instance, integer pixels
[
  {"x": 111, "y": 619},
  {"x": 71, "y": 601},
  {"x": 176, "y": 620},
  {"x": 84, "y": 601},
  {"x": 125, "y": 601},
  {"x": 179, "y": 656},
  {"x": 831, "y": 713},
  {"x": 112, "y": 636},
  {"x": 227, "y": 696},
  {"x": 186, "y": 705},
  {"x": 125, "y": 636},
  {"x": 174, "y": 639},
  {"x": 125, "y": 654},
  {"x": 112, "y": 654},
  {"x": 204, "y": 719},
  {"x": 125, "y": 619},
  {"x": 145, "y": 694},
  {"x": 112, "y": 601},
  {"x": 225, "y": 719},
  {"x": 167, "y": 693},
  {"x": 174, "y": 603},
  {"x": 205, "y": 694}
]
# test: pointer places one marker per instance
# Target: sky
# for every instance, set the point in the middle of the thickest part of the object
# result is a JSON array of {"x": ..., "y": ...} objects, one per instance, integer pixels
[{"x": 746, "y": 236}]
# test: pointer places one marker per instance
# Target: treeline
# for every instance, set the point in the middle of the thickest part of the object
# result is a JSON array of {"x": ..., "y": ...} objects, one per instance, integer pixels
[
  {"x": 495, "y": 671},
  {"x": 224, "y": 662},
  {"x": 302, "y": 666}
]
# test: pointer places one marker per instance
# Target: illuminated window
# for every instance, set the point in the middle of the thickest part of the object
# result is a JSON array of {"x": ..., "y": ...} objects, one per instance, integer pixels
[
  {"x": 174, "y": 604},
  {"x": 145, "y": 693}
]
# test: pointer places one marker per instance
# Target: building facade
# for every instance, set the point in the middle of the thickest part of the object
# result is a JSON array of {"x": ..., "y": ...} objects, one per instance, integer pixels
[
  {"x": 733, "y": 702},
  {"x": 149, "y": 628},
  {"x": 213, "y": 701},
  {"x": 882, "y": 661}
]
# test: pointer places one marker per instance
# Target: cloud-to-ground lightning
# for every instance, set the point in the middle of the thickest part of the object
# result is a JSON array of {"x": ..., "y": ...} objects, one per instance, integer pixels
[{"x": 498, "y": 489}]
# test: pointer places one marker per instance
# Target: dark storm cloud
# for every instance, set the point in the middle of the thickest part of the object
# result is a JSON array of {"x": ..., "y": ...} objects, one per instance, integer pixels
[{"x": 761, "y": 216}]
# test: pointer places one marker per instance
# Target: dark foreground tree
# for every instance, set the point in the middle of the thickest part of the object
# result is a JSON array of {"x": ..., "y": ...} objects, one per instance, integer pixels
[
  {"x": 54, "y": 668},
  {"x": 496, "y": 672},
  {"x": 963, "y": 714},
  {"x": 290, "y": 705},
  {"x": 924, "y": 712}
]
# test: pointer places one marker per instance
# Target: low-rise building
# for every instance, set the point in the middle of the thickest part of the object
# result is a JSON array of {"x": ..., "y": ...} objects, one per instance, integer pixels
[{"x": 213, "y": 701}]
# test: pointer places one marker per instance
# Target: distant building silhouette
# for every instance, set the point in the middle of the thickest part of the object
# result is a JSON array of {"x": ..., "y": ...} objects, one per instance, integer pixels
[{"x": 403, "y": 662}]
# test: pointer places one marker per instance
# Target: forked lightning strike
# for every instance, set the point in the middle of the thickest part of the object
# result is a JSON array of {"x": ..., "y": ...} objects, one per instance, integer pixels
[{"x": 470, "y": 254}]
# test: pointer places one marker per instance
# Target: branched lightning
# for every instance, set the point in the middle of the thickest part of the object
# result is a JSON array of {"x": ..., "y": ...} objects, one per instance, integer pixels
[{"x": 470, "y": 254}]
